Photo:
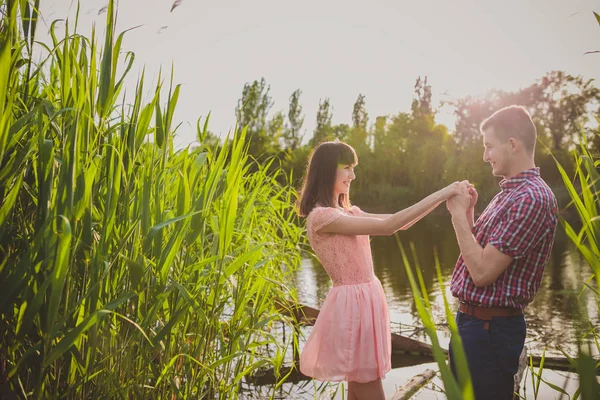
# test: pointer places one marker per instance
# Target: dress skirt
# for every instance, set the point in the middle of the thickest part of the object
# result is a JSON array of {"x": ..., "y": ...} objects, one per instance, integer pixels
[{"x": 351, "y": 339}]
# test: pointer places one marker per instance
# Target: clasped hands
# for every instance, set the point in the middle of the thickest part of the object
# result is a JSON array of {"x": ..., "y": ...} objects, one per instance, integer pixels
[{"x": 463, "y": 198}]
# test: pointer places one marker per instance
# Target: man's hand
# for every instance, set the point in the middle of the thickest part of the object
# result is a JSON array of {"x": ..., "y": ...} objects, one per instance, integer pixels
[
  {"x": 459, "y": 204},
  {"x": 474, "y": 197},
  {"x": 471, "y": 210}
]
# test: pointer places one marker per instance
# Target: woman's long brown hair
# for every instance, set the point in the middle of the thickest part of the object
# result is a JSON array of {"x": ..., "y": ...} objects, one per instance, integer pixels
[{"x": 319, "y": 179}]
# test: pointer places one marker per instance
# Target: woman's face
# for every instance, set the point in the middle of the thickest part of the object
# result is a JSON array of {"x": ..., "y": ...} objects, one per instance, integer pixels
[{"x": 343, "y": 177}]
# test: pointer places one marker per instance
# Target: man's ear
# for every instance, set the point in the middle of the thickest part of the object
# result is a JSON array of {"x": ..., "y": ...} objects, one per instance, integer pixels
[{"x": 515, "y": 145}]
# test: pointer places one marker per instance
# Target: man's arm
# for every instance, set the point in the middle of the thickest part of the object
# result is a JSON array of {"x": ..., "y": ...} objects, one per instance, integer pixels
[
  {"x": 471, "y": 217},
  {"x": 485, "y": 265}
]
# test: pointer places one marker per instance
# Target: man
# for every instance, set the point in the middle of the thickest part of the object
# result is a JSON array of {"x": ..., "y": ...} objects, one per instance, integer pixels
[{"x": 503, "y": 255}]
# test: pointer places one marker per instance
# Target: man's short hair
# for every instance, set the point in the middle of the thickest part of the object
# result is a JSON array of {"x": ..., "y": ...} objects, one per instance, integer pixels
[{"x": 515, "y": 122}]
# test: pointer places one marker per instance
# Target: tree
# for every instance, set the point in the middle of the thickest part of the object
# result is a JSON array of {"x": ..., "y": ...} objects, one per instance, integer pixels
[
  {"x": 276, "y": 127},
  {"x": 291, "y": 135},
  {"x": 360, "y": 116},
  {"x": 381, "y": 149},
  {"x": 560, "y": 104},
  {"x": 251, "y": 111},
  {"x": 323, "y": 130},
  {"x": 565, "y": 105},
  {"x": 358, "y": 135},
  {"x": 341, "y": 132},
  {"x": 422, "y": 98}
]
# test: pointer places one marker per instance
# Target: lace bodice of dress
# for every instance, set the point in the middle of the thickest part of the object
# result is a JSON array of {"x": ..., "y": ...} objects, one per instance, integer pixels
[{"x": 346, "y": 258}]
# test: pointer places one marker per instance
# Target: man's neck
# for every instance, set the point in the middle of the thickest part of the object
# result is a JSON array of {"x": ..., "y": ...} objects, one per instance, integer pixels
[
  {"x": 517, "y": 171},
  {"x": 520, "y": 167}
]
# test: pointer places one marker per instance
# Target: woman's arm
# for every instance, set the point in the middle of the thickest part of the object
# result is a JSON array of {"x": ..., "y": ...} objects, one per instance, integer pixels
[
  {"x": 374, "y": 226},
  {"x": 411, "y": 223},
  {"x": 414, "y": 221},
  {"x": 377, "y": 216}
]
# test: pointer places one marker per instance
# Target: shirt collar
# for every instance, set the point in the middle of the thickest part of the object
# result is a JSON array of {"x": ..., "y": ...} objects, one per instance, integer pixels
[{"x": 514, "y": 182}]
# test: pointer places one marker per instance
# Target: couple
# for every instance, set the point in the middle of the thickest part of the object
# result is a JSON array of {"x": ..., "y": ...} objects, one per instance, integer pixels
[{"x": 498, "y": 273}]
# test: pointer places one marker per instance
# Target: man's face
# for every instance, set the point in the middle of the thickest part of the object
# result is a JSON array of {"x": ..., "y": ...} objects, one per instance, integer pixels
[{"x": 497, "y": 153}]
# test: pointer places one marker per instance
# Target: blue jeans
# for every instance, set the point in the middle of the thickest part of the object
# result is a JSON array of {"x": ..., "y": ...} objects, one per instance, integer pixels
[{"x": 493, "y": 349}]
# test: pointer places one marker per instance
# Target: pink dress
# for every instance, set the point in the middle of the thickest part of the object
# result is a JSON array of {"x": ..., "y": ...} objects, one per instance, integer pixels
[{"x": 351, "y": 339}]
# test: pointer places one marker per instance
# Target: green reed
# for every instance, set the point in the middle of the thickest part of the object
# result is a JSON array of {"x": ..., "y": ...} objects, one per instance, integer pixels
[
  {"x": 584, "y": 191},
  {"x": 456, "y": 387},
  {"x": 128, "y": 269}
]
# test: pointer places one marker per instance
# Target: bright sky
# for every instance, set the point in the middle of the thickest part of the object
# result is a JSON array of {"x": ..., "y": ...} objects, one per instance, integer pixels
[{"x": 338, "y": 49}]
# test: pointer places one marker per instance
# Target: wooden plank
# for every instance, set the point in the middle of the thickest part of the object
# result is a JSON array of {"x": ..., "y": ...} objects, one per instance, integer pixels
[
  {"x": 304, "y": 315},
  {"x": 399, "y": 360},
  {"x": 268, "y": 376},
  {"x": 413, "y": 385},
  {"x": 405, "y": 345},
  {"x": 519, "y": 375}
]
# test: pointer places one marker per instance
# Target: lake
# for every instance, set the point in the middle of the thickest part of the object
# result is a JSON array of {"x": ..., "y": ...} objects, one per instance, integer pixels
[{"x": 549, "y": 318}]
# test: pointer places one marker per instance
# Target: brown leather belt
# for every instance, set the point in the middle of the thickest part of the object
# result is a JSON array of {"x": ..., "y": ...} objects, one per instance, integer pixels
[{"x": 487, "y": 313}]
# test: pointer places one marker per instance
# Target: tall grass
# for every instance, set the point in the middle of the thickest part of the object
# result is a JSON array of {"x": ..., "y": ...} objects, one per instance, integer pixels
[
  {"x": 456, "y": 387},
  {"x": 584, "y": 190},
  {"x": 128, "y": 269}
]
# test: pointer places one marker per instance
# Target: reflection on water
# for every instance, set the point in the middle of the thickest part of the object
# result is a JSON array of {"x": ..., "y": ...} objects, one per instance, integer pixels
[{"x": 550, "y": 318}]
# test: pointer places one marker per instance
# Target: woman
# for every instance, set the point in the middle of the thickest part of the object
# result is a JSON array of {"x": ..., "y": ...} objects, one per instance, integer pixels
[{"x": 351, "y": 339}]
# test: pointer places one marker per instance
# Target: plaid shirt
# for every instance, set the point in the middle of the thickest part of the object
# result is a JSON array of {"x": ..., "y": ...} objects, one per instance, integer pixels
[{"x": 520, "y": 221}]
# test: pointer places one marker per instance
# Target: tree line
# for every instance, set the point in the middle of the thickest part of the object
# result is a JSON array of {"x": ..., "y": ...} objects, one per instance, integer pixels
[{"x": 405, "y": 156}]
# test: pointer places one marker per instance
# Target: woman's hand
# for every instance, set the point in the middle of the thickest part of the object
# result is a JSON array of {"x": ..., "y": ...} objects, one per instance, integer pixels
[{"x": 456, "y": 188}]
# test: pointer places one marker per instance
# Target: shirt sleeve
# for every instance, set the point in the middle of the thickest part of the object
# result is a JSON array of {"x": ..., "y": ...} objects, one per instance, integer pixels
[
  {"x": 521, "y": 228},
  {"x": 321, "y": 217}
]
